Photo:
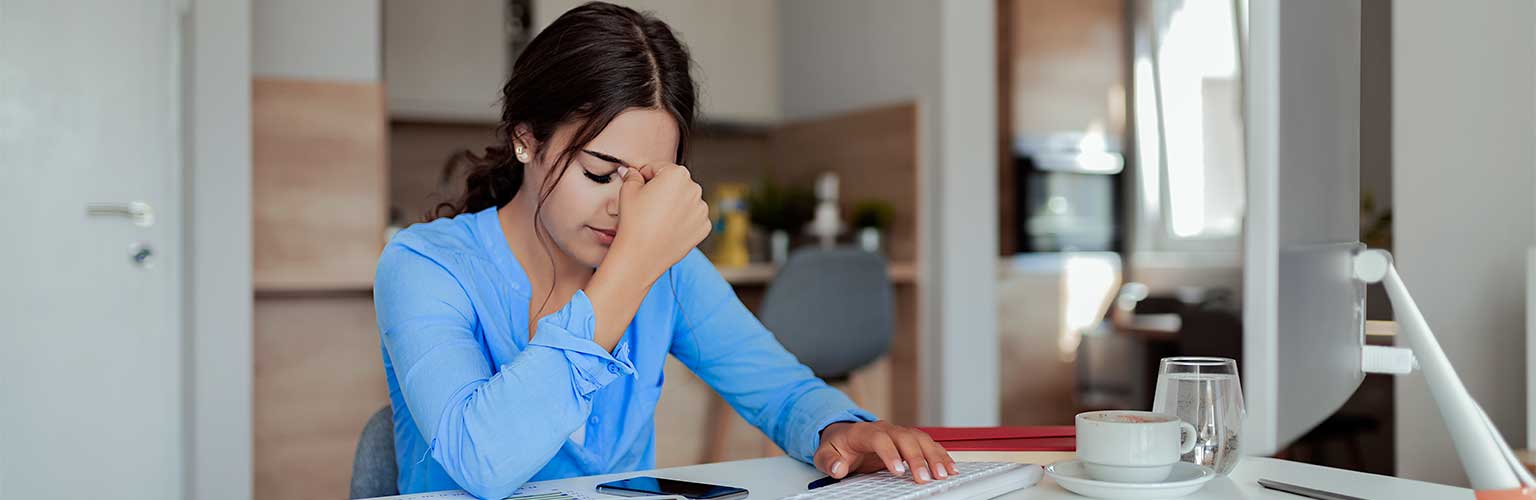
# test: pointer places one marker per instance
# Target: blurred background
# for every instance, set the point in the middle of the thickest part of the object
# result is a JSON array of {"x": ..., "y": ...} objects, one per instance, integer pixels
[{"x": 1057, "y": 189}]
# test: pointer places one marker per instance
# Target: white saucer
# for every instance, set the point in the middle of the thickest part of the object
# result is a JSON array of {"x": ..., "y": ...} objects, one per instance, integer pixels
[{"x": 1186, "y": 478}]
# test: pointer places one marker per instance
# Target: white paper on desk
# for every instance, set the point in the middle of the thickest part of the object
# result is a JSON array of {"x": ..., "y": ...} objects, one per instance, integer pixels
[{"x": 527, "y": 492}]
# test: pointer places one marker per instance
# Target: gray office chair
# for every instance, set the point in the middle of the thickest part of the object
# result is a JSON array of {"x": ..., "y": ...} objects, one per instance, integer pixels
[
  {"x": 373, "y": 467},
  {"x": 832, "y": 309}
]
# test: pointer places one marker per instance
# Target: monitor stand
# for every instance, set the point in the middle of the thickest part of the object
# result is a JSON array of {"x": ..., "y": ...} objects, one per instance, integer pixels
[{"x": 1491, "y": 465}]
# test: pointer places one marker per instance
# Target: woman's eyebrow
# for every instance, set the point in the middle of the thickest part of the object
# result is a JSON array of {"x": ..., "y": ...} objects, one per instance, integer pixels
[{"x": 606, "y": 157}]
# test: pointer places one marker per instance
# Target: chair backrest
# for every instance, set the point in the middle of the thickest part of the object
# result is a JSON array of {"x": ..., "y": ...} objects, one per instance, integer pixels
[
  {"x": 373, "y": 467},
  {"x": 832, "y": 308}
]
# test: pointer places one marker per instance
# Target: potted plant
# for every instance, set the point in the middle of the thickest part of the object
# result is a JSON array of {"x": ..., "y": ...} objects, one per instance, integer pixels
[
  {"x": 872, "y": 218},
  {"x": 780, "y": 210}
]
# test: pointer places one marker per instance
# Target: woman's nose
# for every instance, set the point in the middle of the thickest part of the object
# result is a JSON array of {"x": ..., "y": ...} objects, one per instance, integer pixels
[{"x": 612, "y": 204}]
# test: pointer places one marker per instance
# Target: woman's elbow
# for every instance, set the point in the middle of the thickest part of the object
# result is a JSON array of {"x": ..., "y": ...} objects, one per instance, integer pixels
[
  {"x": 490, "y": 490},
  {"x": 483, "y": 481},
  {"x": 480, "y": 473}
]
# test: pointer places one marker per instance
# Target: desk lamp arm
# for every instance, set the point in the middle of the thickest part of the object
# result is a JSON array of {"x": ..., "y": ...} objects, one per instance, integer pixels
[{"x": 1490, "y": 464}]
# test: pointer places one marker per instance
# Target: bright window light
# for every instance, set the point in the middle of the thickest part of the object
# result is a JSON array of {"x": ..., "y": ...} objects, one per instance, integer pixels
[{"x": 1196, "y": 71}]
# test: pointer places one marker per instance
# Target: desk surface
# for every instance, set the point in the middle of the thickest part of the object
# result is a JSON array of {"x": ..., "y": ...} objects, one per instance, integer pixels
[{"x": 781, "y": 476}]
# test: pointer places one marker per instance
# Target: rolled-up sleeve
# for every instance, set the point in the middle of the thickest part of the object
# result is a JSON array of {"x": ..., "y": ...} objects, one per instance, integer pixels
[
  {"x": 491, "y": 428},
  {"x": 721, "y": 341},
  {"x": 570, "y": 331}
]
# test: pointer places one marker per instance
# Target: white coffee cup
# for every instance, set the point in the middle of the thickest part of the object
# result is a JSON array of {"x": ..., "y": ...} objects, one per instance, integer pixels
[{"x": 1125, "y": 446}]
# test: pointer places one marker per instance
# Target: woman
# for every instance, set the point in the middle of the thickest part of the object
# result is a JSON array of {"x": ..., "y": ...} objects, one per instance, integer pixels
[{"x": 523, "y": 338}]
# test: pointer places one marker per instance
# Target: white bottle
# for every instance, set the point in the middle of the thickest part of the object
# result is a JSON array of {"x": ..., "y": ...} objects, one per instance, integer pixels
[{"x": 826, "y": 224}]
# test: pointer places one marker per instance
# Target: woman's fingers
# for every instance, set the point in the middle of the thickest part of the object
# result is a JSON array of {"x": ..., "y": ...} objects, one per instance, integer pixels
[
  {"x": 942, "y": 464},
  {"x": 629, "y": 187},
  {"x": 885, "y": 448},
  {"x": 649, "y": 170},
  {"x": 854, "y": 448},
  {"x": 912, "y": 452},
  {"x": 832, "y": 461},
  {"x": 829, "y": 461}
]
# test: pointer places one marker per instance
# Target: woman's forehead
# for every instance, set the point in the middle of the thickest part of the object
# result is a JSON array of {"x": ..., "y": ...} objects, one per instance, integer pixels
[{"x": 638, "y": 137}]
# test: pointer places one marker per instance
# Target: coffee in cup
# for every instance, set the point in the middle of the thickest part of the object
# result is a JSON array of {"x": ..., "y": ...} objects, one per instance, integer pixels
[{"x": 1125, "y": 446}]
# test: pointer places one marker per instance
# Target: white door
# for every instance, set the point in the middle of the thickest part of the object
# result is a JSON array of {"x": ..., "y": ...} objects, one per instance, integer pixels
[{"x": 91, "y": 349}]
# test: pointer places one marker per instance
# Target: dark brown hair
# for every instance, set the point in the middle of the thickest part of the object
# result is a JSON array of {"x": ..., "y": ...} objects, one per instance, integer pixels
[{"x": 590, "y": 65}]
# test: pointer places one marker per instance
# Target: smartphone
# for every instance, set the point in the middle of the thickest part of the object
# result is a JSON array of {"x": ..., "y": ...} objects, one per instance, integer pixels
[{"x": 646, "y": 485}]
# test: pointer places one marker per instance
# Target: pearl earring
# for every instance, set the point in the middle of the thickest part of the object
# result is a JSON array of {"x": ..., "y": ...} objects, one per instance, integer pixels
[{"x": 522, "y": 154}]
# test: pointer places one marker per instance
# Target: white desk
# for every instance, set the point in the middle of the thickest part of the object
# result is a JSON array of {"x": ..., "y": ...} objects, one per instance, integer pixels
[{"x": 769, "y": 478}]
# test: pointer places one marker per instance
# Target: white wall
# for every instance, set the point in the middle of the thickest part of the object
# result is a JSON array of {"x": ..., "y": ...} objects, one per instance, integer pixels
[
  {"x": 217, "y": 149},
  {"x": 335, "y": 40},
  {"x": 734, "y": 44},
  {"x": 1464, "y": 147},
  {"x": 851, "y": 54},
  {"x": 426, "y": 85},
  {"x": 960, "y": 240},
  {"x": 838, "y": 56}
]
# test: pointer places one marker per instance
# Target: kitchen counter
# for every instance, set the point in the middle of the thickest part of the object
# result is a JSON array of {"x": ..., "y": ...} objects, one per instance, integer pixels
[{"x": 761, "y": 273}]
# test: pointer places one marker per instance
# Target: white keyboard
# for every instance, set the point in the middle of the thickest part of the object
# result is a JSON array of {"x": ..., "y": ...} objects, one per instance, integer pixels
[{"x": 977, "y": 481}]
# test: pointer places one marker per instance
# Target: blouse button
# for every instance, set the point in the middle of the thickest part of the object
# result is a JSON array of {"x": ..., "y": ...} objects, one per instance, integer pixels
[
  {"x": 613, "y": 368},
  {"x": 593, "y": 420}
]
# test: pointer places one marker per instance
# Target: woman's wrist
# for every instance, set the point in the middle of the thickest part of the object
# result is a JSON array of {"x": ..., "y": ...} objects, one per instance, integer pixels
[
  {"x": 834, "y": 428},
  {"x": 615, "y": 273},
  {"x": 630, "y": 262},
  {"x": 616, "y": 290}
]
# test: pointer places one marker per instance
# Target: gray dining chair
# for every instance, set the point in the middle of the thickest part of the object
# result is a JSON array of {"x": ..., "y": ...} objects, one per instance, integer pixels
[
  {"x": 831, "y": 308},
  {"x": 373, "y": 466}
]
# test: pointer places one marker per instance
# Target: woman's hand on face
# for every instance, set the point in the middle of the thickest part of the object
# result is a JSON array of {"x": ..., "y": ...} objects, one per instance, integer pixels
[
  {"x": 848, "y": 447},
  {"x": 661, "y": 216}
]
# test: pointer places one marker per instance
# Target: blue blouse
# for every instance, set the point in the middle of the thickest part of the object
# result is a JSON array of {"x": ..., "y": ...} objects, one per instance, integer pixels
[{"x": 480, "y": 407}]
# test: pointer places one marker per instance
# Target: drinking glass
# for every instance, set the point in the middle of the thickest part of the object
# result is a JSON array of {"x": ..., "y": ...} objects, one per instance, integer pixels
[{"x": 1206, "y": 393}]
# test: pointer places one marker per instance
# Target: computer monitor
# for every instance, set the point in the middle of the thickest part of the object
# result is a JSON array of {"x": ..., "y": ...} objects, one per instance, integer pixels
[
  {"x": 1304, "y": 349},
  {"x": 1303, "y": 314}
]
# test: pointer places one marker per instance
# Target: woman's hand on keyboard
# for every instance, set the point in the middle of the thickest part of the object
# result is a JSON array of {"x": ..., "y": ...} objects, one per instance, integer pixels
[{"x": 848, "y": 447}]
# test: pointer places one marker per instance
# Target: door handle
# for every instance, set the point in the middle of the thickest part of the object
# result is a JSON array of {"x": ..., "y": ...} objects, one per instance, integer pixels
[{"x": 140, "y": 213}]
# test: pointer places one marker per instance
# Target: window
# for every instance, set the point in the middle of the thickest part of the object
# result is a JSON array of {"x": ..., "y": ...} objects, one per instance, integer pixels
[{"x": 1189, "y": 126}]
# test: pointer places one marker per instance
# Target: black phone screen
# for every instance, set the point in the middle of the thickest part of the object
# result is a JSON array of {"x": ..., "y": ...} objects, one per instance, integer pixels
[{"x": 660, "y": 486}]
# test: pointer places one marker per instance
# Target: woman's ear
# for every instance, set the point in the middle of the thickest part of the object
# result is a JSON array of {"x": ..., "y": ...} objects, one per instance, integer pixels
[
  {"x": 523, "y": 143},
  {"x": 525, "y": 150}
]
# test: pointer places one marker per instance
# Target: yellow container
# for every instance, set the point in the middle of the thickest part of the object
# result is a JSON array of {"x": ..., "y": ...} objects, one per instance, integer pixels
[{"x": 729, "y": 213}]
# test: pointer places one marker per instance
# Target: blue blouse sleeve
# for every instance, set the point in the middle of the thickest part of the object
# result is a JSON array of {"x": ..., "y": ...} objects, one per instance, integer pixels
[
  {"x": 491, "y": 428},
  {"x": 722, "y": 342}
]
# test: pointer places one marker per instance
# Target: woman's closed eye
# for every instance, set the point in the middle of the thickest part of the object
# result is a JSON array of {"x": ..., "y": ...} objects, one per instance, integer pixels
[
  {"x": 610, "y": 160},
  {"x": 600, "y": 179}
]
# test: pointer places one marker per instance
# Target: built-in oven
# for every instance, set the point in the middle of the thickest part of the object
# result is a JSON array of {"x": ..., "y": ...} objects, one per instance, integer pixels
[{"x": 1068, "y": 194}]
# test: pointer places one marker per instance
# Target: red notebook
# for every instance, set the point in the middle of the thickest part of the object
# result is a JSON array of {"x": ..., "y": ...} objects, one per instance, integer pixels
[{"x": 1028, "y": 438}]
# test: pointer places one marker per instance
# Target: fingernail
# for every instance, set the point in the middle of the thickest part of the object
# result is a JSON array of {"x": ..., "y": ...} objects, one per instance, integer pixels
[
  {"x": 922, "y": 473},
  {"x": 943, "y": 474},
  {"x": 901, "y": 467},
  {"x": 623, "y": 171},
  {"x": 837, "y": 467}
]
